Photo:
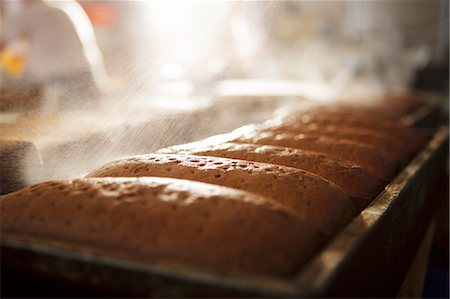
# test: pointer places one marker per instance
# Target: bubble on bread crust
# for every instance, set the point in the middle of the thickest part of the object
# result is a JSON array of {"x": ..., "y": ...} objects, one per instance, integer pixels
[
  {"x": 199, "y": 229},
  {"x": 62, "y": 187},
  {"x": 170, "y": 195},
  {"x": 206, "y": 215},
  {"x": 111, "y": 186},
  {"x": 68, "y": 223}
]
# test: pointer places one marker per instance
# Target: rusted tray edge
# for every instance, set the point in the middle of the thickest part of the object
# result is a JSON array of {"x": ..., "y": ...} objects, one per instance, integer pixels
[{"x": 322, "y": 269}]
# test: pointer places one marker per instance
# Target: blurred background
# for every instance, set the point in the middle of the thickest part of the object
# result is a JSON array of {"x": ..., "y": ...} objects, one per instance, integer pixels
[{"x": 186, "y": 49}]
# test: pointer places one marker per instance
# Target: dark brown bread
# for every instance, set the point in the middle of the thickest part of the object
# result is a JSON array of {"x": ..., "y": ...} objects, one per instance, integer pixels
[
  {"x": 399, "y": 102},
  {"x": 370, "y": 111},
  {"x": 387, "y": 144},
  {"x": 358, "y": 154},
  {"x": 319, "y": 202},
  {"x": 412, "y": 137},
  {"x": 164, "y": 220},
  {"x": 380, "y": 110},
  {"x": 389, "y": 107},
  {"x": 359, "y": 183}
]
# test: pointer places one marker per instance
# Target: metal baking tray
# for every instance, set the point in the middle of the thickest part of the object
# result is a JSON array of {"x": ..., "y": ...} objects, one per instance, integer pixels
[{"x": 369, "y": 257}]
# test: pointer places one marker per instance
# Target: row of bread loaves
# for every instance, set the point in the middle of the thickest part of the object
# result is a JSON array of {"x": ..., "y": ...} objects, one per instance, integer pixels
[{"x": 259, "y": 203}]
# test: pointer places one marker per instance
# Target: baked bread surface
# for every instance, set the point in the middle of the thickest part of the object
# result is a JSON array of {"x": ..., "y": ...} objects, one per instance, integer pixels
[
  {"x": 387, "y": 144},
  {"x": 362, "y": 155},
  {"x": 164, "y": 220},
  {"x": 314, "y": 199},
  {"x": 411, "y": 137},
  {"x": 358, "y": 182}
]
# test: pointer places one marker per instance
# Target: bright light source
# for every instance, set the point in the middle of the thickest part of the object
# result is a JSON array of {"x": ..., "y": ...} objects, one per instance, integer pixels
[
  {"x": 172, "y": 71},
  {"x": 172, "y": 24},
  {"x": 245, "y": 43},
  {"x": 186, "y": 34}
]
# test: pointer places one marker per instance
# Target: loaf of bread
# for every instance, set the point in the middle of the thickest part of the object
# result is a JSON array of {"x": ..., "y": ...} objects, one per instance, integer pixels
[
  {"x": 379, "y": 110},
  {"x": 359, "y": 183},
  {"x": 398, "y": 102},
  {"x": 358, "y": 154},
  {"x": 319, "y": 202},
  {"x": 390, "y": 146},
  {"x": 174, "y": 222},
  {"x": 392, "y": 107},
  {"x": 19, "y": 163},
  {"x": 414, "y": 138}
]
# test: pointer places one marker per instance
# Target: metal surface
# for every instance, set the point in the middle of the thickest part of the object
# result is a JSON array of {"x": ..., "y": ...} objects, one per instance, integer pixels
[
  {"x": 428, "y": 116},
  {"x": 368, "y": 258},
  {"x": 372, "y": 255}
]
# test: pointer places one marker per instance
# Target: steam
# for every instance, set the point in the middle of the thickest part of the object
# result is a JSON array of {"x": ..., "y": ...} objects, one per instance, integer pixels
[{"x": 178, "y": 68}]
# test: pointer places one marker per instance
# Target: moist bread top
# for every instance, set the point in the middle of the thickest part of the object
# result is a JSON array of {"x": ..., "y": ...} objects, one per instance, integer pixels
[
  {"x": 164, "y": 220},
  {"x": 408, "y": 135},
  {"x": 314, "y": 199},
  {"x": 387, "y": 144},
  {"x": 365, "y": 156},
  {"x": 359, "y": 183},
  {"x": 388, "y": 108}
]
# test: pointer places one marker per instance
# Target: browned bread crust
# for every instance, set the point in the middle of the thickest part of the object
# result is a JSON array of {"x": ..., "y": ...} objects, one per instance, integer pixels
[
  {"x": 389, "y": 145},
  {"x": 365, "y": 156},
  {"x": 164, "y": 220},
  {"x": 389, "y": 107},
  {"x": 397, "y": 102},
  {"x": 414, "y": 138},
  {"x": 317, "y": 201},
  {"x": 359, "y": 183}
]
